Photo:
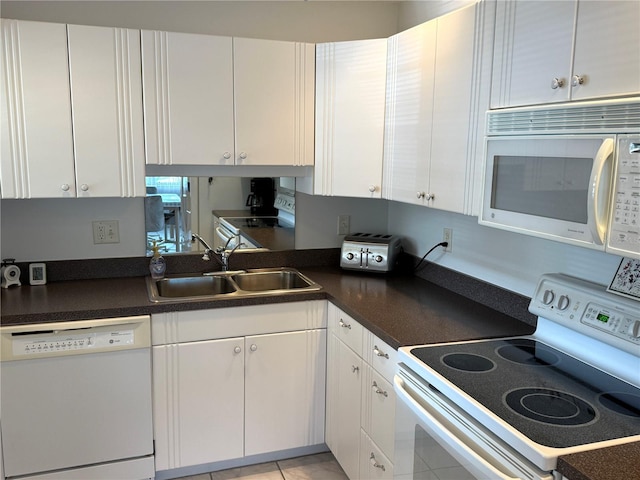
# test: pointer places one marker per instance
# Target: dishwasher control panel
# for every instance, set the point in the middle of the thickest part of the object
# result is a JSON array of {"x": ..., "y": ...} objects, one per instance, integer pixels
[
  {"x": 30, "y": 344},
  {"x": 77, "y": 337}
]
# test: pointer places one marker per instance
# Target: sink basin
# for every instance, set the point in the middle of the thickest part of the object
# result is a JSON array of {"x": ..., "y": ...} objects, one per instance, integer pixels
[
  {"x": 270, "y": 280},
  {"x": 177, "y": 287},
  {"x": 210, "y": 286}
]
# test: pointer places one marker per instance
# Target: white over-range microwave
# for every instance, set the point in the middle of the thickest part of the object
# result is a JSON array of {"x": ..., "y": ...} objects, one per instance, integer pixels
[{"x": 569, "y": 173}]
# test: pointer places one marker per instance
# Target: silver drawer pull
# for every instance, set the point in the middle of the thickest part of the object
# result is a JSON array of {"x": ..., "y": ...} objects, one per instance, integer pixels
[
  {"x": 379, "y": 353},
  {"x": 379, "y": 391},
  {"x": 354, "y": 369},
  {"x": 375, "y": 463},
  {"x": 344, "y": 325}
]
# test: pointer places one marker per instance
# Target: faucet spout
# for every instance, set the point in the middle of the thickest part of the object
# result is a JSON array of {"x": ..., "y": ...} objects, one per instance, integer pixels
[{"x": 207, "y": 249}]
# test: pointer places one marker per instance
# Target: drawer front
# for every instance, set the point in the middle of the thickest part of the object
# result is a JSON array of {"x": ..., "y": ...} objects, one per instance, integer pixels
[
  {"x": 374, "y": 465},
  {"x": 378, "y": 410},
  {"x": 381, "y": 357},
  {"x": 346, "y": 329}
]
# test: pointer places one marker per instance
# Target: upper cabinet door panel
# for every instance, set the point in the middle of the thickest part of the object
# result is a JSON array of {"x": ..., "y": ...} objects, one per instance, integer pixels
[
  {"x": 37, "y": 140},
  {"x": 106, "y": 97},
  {"x": 350, "y": 103},
  {"x": 607, "y": 49},
  {"x": 533, "y": 46},
  {"x": 409, "y": 113},
  {"x": 188, "y": 98},
  {"x": 274, "y": 102}
]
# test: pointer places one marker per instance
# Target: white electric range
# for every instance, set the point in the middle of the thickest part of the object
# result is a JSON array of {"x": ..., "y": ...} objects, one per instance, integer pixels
[{"x": 508, "y": 408}]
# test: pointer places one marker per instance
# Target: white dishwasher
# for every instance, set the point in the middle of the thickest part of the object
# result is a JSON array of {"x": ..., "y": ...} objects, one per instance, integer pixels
[{"x": 76, "y": 400}]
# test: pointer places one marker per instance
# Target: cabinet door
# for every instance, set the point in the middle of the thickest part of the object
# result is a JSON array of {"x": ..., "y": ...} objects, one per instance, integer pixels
[
  {"x": 37, "y": 141},
  {"x": 274, "y": 102},
  {"x": 409, "y": 114},
  {"x": 344, "y": 383},
  {"x": 106, "y": 99},
  {"x": 533, "y": 46},
  {"x": 198, "y": 402},
  {"x": 350, "y": 102},
  {"x": 453, "y": 92},
  {"x": 284, "y": 390},
  {"x": 607, "y": 49},
  {"x": 188, "y": 98}
]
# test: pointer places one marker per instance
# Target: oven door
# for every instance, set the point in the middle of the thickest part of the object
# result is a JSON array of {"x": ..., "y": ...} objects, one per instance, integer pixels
[{"x": 436, "y": 440}]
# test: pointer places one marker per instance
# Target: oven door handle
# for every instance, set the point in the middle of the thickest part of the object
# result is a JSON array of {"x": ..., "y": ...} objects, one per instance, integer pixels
[
  {"x": 223, "y": 235},
  {"x": 458, "y": 448}
]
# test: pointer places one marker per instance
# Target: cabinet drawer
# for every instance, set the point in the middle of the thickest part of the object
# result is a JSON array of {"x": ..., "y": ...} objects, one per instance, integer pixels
[
  {"x": 374, "y": 465},
  {"x": 346, "y": 329},
  {"x": 381, "y": 356},
  {"x": 378, "y": 410}
]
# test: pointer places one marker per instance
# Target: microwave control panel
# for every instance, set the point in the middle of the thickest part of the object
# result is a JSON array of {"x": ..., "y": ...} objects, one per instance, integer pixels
[{"x": 624, "y": 231}]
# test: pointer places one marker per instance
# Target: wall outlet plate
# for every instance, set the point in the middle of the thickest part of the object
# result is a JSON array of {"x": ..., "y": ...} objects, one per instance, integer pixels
[
  {"x": 447, "y": 236},
  {"x": 105, "y": 231},
  {"x": 343, "y": 224}
]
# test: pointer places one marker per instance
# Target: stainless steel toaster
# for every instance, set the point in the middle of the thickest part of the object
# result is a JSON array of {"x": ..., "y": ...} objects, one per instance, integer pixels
[{"x": 370, "y": 252}]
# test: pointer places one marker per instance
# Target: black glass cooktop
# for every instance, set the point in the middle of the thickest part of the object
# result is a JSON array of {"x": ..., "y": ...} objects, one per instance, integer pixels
[{"x": 550, "y": 397}]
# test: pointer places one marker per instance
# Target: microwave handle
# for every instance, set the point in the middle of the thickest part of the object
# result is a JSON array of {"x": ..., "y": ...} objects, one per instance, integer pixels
[{"x": 596, "y": 212}]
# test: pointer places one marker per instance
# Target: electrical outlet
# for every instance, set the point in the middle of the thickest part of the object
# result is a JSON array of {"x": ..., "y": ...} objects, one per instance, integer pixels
[
  {"x": 105, "y": 231},
  {"x": 343, "y": 224},
  {"x": 447, "y": 236}
]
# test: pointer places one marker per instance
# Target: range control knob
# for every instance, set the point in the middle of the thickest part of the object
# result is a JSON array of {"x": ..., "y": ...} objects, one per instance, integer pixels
[
  {"x": 378, "y": 258},
  {"x": 548, "y": 296},
  {"x": 563, "y": 302}
]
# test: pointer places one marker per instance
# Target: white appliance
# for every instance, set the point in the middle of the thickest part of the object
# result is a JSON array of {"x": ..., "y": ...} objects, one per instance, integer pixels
[
  {"x": 76, "y": 400},
  {"x": 232, "y": 231},
  {"x": 566, "y": 173},
  {"x": 507, "y": 408}
]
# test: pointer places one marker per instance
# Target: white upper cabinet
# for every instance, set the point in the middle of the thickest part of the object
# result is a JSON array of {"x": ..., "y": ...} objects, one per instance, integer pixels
[
  {"x": 212, "y": 100},
  {"x": 274, "y": 102},
  {"x": 72, "y": 119},
  {"x": 569, "y": 50},
  {"x": 350, "y": 103},
  {"x": 106, "y": 100},
  {"x": 37, "y": 139},
  {"x": 436, "y": 98},
  {"x": 188, "y": 98}
]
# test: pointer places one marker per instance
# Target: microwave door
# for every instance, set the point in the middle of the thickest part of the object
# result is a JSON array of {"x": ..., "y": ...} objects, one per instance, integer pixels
[{"x": 554, "y": 187}]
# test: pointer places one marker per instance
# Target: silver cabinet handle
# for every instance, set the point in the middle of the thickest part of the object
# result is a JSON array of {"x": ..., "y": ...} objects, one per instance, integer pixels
[
  {"x": 64, "y": 187},
  {"x": 344, "y": 325},
  {"x": 557, "y": 83},
  {"x": 237, "y": 350},
  {"x": 578, "y": 80},
  {"x": 372, "y": 188},
  {"x": 243, "y": 156},
  {"x": 379, "y": 353},
  {"x": 226, "y": 155},
  {"x": 253, "y": 347},
  {"x": 378, "y": 390},
  {"x": 84, "y": 187},
  {"x": 375, "y": 463},
  {"x": 354, "y": 369}
]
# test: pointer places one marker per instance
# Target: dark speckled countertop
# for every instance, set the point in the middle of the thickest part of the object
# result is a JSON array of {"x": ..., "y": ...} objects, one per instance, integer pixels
[{"x": 439, "y": 306}]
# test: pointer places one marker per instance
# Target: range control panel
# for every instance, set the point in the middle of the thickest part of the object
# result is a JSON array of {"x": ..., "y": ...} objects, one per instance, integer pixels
[{"x": 588, "y": 307}]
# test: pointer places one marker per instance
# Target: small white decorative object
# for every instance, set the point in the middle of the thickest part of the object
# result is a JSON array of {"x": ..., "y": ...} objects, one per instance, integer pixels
[
  {"x": 9, "y": 274},
  {"x": 37, "y": 274},
  {"x": 626, "y": 281}
]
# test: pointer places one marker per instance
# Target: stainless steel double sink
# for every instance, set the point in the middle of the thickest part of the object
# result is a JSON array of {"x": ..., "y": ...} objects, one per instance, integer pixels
[{"x": 238, "y": 283}]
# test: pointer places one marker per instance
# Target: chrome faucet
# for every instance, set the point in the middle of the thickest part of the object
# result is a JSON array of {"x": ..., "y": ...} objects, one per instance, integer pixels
[
  {"x": 225, "y": 254},
  {"x": 222, "y": 251}
]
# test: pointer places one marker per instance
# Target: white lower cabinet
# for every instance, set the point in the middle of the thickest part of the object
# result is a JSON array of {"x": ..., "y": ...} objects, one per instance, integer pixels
[
  {"x": 360, "y": 398},
  {"x": 258, "y": 388}
]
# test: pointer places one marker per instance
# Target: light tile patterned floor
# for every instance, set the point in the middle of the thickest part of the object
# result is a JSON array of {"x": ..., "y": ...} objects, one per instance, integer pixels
[{"x": 322, "y": 466}]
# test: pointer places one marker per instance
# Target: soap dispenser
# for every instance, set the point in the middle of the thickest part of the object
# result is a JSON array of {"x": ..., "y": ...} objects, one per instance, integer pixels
[{"x": 157, "y": 266}]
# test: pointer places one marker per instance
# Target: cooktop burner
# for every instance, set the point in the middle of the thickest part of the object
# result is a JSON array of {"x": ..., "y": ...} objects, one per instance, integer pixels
[
  {"x": 558, "y": 400},
  {"x": 550, "y": 406}
]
